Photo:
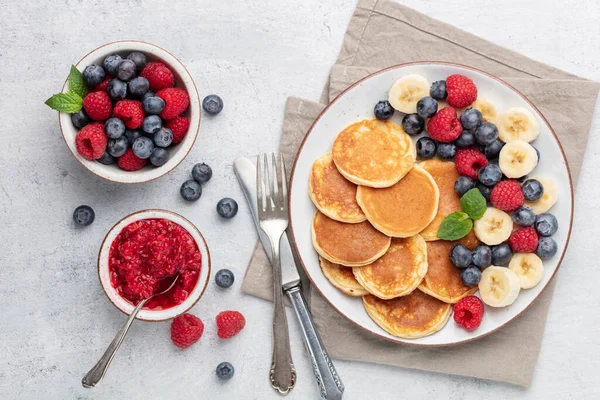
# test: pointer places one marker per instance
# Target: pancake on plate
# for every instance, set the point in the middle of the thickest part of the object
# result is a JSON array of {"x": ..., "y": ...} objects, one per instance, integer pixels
[
  {"x": 444, "y": 174},
  {"x": 398, "y": 272},
  {"x": 404, "y": 209},
  {"x": 442, "y": 280},
  {"x": 374, "y": 153},
  {"x": 412, "y": 316},
  {"x": 332, "y": 194},
  {"x": 352, "y": 245},
  {"x": 342, "y": 278}
]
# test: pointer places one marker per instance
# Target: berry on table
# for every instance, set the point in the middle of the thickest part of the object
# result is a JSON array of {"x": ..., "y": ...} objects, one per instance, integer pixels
[
  {"x": 224, "y": 278},
  {"x": 139, "y": 59},
  {"x": 186, "y": 330},
  {"x": 426, "y": 148},
  {"x": 227, "y": 208},
  {"x": 91, "y": 141},
  {"x": 163, "y": 138},
  {"x": 461, "y": 256},
  {"x": 179, "y": 127},
  {"x": 461, "y": 90},
  {"x": 546, "y": 224},
  {"x": 114, "y": 128},
  {"x": 80, "y": 119},
  {"x": 212, "y": 104},
  {"x": 153, "y": 105},
  {"x": 471, "y": 118},
  {"x": 106, "y": 159},
  {"x": 126, "y": 70},
  {"x": 84, "y": 215},
  {"x": 486, "y": 133},
  {"x": 469, "y": 161},
  {"x": 427, "y": 107},
  {"x": 201, "y": 173},
  {"x": 138, "y": 86},
  {"x": 130, "y": 162},
  {"x": 383, "y": 110},
  {"x": 93, "y": 75},
  {"x": 446, "y": 151},
  {"x": 482, "y": 256},
  {"x": 523, "y": 240},
  {"x": 466, "y": 139},
  {"x": 501, "y": 254},
  {"x": 413, "y": 124},
  {"x": 132, "y": 134},
  {"x": 159, "y": 156},
  {"x": 492, "y": 151},
  {"x": 470, "y": 276},
  {"x": 176, "y": 102},
  {"x": 152, "y": 124},
  {"x": 229, "y": 323},
  {"x": 489, "y": 175},
  {"x": 190, "y": 190},
  {"x": 117, "y": 147},
  {"x": 225, "y": 371},
  {"x": 117, "y": 89},
  {"x": 97, "y": 105},
  {"x": 111, "y": 63},
  {"x": 444, "y": 126},
  {"x": 468, "y": 312},
  {"x": 533, "y": 189},
  {"x": 143, "y": 147},
  {"x": 507, "y": 195},
  {"x": 523, "y": 216},
  {"x": 438, "y": 90},
  {"x": 159, "y": 76},
  {"x": 546, "y": 248},
  {"x": 463, "y": 184},
  {"x": 485, "y": 191},
  {"x": 130, "y": 112}
]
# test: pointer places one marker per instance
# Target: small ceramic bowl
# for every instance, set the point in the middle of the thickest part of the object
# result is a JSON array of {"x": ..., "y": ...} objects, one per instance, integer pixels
[
  {"x": 177, "y": 152},
  {"x": 125, "y": 306}
]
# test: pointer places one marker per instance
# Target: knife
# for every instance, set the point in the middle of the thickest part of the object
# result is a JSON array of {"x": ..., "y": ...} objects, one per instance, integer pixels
[{"x": 330, "y": 384}]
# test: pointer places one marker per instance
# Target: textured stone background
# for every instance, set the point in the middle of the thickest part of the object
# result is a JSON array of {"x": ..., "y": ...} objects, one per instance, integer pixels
[{"x": 56, "y": 321}]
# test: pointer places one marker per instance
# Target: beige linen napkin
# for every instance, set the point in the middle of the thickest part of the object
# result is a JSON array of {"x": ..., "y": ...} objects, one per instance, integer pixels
[{"x": 380, "y": 34}]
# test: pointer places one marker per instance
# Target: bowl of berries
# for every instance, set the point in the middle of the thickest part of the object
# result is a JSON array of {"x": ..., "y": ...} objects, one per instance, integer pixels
[{"x": 129, "y": 111}]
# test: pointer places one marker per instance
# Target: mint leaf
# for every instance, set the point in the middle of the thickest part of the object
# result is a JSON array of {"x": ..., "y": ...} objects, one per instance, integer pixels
[
  {"x": 473, "y": 203},
  {"x": 65, "y": 102},
  {"x": 76, "y": 83},
  {"x": 455, "y": 226}
]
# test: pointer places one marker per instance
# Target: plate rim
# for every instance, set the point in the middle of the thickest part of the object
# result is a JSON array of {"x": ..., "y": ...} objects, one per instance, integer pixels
[{"x": 292, "y": 236}]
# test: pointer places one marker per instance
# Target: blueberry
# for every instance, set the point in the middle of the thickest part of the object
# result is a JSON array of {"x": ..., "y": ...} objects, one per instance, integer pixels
[
  {"x": 191, "y": 190},
  {"x": 225, "y": 371},
  {"x": 485, "y": 190},
  {"x": 426, "y": 148},
  {"x": 492, "y": 151},
  {"x": 523, "y": 216},
  {"x": 111, "y": 63},
  {"x": 446, "y": 151},
  {"x": 227, "y": 208},
  {"x": 427, "y": 107},
  {"x": 84, "y": 215},
  {"x": 546, "y": 224},
  {"x": 149, "y": 93},
  {"x": 80, "y": 119},
  {"x": 471, "y": 118},
  {"x": 152, "y": 124},
  {"x": 114, "y": 128},
  {"x": 533, "y": 189},
  {"x": 159, "y": 156},
  {"x": 201, "y": 173},
  {"x": 138, "y": 86},
  {"x": 383, "y": 110},
  {"x": 212, "y": 104},
  {"x": 153, "y": 105},
  {"x": 546, "y": 248},
  {"x": 466, "y": 139},
  {"x": 486, "y": 133},
  {"x": 163, "y": 138},
  {"x": 463, "y": 184},
  {"x": 93, "y": 75},
  {"x": 438, "y": 90},
  {"x": 413, "y": 124},
  {"x": 132, "y": 134},
  {"x": 106, "y": 159},
  {"x": 489, "y": 175},
  {"x": 461, "y": 256},
  {"x": 470, "y": 276},
  {"x": 126, "y": 70},
  {"x": 117, "y": 147},
  {"x": 142, "y": 147},
  {"x": 139, "y": 59},
  {"x": 501, "y": 254},
  {"x": 224, "y": 278},
  {"x": 117, "y": 89},
  {"x": 482, "y": 256}
]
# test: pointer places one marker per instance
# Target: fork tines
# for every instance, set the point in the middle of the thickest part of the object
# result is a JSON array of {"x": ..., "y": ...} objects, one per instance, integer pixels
[{"x": 274, "y": 183}]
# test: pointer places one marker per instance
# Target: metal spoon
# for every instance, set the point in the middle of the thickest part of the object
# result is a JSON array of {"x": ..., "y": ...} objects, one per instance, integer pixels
[{"x": 95, "y": 375}]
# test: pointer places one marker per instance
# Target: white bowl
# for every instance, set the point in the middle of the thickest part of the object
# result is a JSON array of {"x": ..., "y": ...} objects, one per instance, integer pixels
[
  {"x": 177, "y": 152},
  {"x": 124, "y": 305}
]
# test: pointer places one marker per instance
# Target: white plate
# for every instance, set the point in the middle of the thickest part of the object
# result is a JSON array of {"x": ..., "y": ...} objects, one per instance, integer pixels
[{"x": 356, "y": 103}]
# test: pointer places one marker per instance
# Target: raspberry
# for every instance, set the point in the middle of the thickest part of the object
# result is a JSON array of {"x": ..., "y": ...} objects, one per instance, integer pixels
[
  {"x": 131, "y": 162},
  {"x": 468, "y": 312},
  {"x": 102, "y": 86},
  {"x": 91, "y": 141},
  {"x": 461, "y": 91},
  {"x": 97, "y": 105},
  {"x": 229, "y": 323},
  {"x": 176, "y": 101},
  {"x": 159, "y": 76},
  {"x": 469, "y": 161},
  {"x": 186, "y": 330},
  {"x": 444, "y": 126},
  {"x": 523, "y": 240},
  {"x": 507, "y": 195},
  {"x": 130, "y": 112},
  {"x": 179, "y": 126}
]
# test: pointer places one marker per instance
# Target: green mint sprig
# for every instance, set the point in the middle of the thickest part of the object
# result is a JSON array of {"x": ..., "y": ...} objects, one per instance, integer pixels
[
  {"x": 72, "y": 101},
  {"x": 459, "y": 223}
]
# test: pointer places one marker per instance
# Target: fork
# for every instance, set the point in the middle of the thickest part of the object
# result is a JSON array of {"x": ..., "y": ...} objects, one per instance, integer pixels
[{"x": 273, "y": 221}]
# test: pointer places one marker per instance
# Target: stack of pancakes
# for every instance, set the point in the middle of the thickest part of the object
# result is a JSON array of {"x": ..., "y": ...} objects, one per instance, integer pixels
[{"x": 376, "y": 227}]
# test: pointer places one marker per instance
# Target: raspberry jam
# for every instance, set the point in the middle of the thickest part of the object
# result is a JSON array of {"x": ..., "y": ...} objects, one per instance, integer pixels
[{"x": 146, "y": 254}]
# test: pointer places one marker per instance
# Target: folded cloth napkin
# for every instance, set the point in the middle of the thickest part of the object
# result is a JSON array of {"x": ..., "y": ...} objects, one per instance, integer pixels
[{"x": 382, "y": 33}]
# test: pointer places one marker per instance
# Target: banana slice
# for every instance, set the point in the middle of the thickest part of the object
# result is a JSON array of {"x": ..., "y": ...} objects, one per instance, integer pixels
[
  {"x": 548, "y": 198},
  {"x": 528, "y": 267},
  {"x": 499, "y": 286},
  {"x": 487, "y": 109},
  {"x": 517, "y": 159},
  {"x": 407, "y": 91},
  {"x": 518, "y": 123},
  {"x": 494, "y": 227}
]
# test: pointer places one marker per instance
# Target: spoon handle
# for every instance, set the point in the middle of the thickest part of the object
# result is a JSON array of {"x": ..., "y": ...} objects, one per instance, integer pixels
[{"x": 95, "y": 375}]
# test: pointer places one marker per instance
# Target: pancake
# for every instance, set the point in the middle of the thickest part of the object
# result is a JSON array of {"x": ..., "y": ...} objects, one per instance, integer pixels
[
  {"x": 374, "y": 153},
  {"x": 352, "y": 245},
  {"x": 398, "y": 272},
  {"x": 444, "y": 174},
  {"x": 342, "y": 278},
  {"x": 332, "y": 194},
  {"x": 412, "y": 316},
  {"x": 404, "y": 209},
  {"x": 442, "y": 280}
]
